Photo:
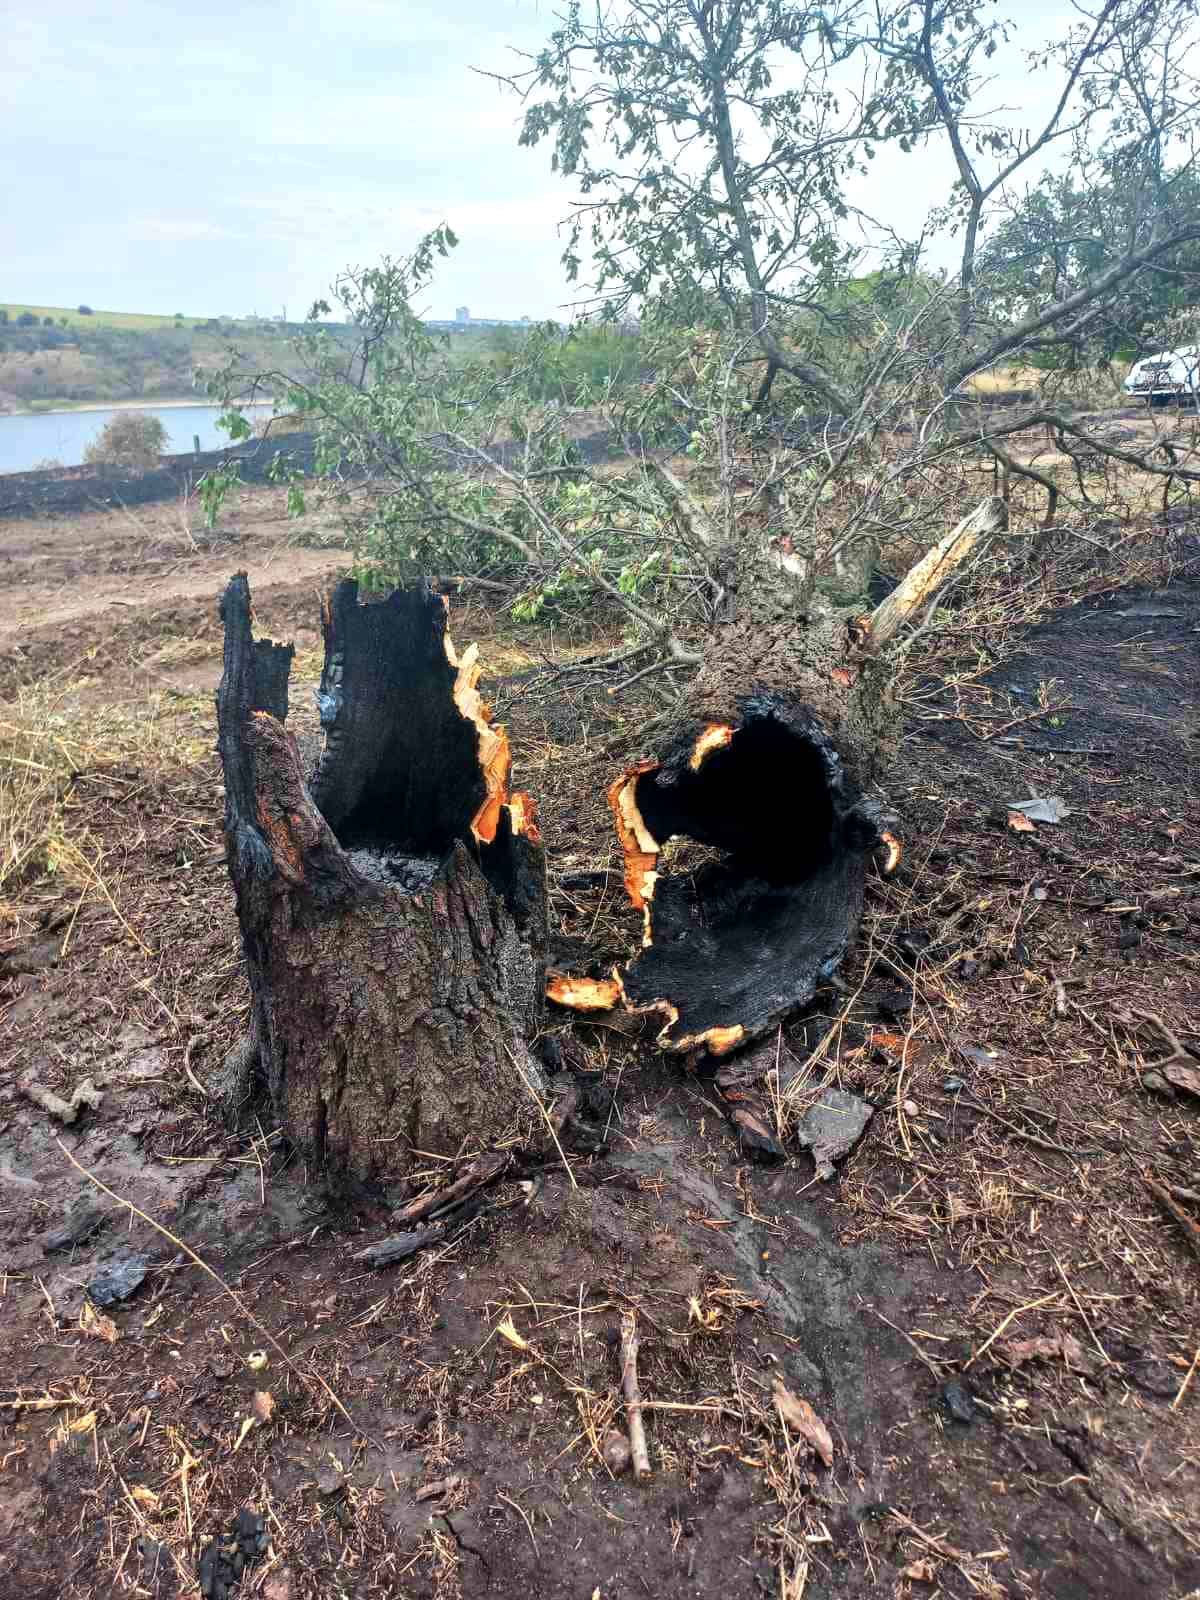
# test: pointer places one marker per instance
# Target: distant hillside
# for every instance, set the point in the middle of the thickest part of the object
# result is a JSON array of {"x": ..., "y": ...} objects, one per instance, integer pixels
[
  {"x": 74, "y": 317},
  {"x": 51, "y": 356}
]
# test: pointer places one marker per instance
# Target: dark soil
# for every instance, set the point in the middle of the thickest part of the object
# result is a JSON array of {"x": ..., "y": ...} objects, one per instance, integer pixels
[{"x": 997, "y": 1013}]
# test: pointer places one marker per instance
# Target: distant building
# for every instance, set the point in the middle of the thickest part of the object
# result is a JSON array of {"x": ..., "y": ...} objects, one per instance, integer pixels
[{"x": 464, "y": 319}]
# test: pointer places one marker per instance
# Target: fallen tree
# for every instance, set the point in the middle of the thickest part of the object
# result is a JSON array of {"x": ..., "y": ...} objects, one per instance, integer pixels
[
  {"x": 391, "y": 896},
  {"x": 769, "y": 768}
]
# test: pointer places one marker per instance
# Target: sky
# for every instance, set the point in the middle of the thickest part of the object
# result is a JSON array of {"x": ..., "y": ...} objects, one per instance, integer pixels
[{"x": 229, "y": 159}]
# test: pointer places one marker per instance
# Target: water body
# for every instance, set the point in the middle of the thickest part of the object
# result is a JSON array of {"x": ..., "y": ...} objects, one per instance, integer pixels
[{"x": 61, "y": 437}]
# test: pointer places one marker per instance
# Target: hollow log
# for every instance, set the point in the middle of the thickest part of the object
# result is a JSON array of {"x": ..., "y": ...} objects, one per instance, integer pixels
[
  {"x": 391, "y": 896},
  {"x": 747, "y": 837}
]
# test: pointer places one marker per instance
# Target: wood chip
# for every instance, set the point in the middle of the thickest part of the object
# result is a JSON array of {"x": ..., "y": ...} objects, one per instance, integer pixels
[
  {"x": 438, "y": 1488},
  {"x": 1182, "y": 1077},
  {"x": 798, "y": 1415},
  {"x": 1056, "y": 1345},
  {"x": 918, "y": 1571},
  {"x": 96, "y": 1325},
  {"x": 85, "y": 1094},
  {"x": 400, "y": 1246}
]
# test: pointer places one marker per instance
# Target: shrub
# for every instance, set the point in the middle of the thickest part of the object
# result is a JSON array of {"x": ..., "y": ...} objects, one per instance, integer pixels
[
  {"x": 27, "y": 320},
  {"x": 133, "y": 440},
  {"x": 84, "y": 311},
  {"x": 47, "y": 322},
  {"x": 3, "y": 315}
]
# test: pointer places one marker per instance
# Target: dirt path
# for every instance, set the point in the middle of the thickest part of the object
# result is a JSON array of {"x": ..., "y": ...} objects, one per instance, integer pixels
[
  {"x": 137, "y": 589},
  {"x": 988, "y": 1308}
]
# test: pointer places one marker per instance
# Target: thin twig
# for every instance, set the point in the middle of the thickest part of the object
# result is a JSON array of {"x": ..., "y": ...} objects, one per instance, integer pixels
[
  {"x": 1183, "y": 1387},
  {"x": 912, "y": 1343},
  {"x": 633, "y": 1395},
  {"x": 537, "y": 1100},
  {"x": 189, "y": 1051},
  {"x": 1033, "y": 1305},
  {"x": 1191, "y": 1229},
  {"x": 524, "y": 1516},
  {"x": 1087, "y": 1321}
]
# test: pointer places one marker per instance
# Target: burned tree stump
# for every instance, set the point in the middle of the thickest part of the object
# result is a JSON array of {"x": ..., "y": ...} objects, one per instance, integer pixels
[
  {"x": 746, "y": 841},
  {"x": 391, "y": 900}
]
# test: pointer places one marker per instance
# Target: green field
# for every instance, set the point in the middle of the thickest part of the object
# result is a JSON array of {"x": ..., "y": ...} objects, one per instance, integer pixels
[{"x": 134, "y": 321}]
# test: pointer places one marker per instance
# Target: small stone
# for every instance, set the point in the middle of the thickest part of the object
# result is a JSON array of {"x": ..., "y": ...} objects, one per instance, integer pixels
[
  {"x": 117, "y": 1281},
  {"x": 250, "y": 1534},
  {"x": 1155, "y": 1082},
  {"x": 957, "y": 1401},
  {"x": 893, "y": 1003},
  {"x": 967, "y": 970},
  {"x": 616, "y": 1452},
  {"x": 224, "y": 1561},
  {"x": 80, "y": 1223},
  {"x": 832, "y": 1126},
  {"x": 913, "y": 943},
  {"x": 953, "y": 1085},
  {"x": 911, "y": 1108}
]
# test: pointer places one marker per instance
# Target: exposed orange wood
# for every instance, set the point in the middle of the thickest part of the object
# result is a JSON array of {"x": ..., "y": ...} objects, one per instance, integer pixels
[
  {"x": 584, "y": 994},
  {"x": 715, "y": 737},
  {"x": 495, "y": 758},
  {"x": 894, "y": 851},
  {"x": 638, "y": 844},
  {"x": 719, "y": 1041},
  {"x": 522, "y": 808}
]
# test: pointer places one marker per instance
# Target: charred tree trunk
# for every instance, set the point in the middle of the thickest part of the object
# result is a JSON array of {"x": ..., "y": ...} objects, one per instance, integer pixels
[
  {"x": 391, "y": 900},
  {"x": 747, "y": 838}
]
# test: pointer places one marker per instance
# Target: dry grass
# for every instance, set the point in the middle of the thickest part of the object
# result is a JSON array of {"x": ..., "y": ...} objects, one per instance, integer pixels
[
  {"x": 1005, "y": 380},
  {"x": 49, "y": 742}
]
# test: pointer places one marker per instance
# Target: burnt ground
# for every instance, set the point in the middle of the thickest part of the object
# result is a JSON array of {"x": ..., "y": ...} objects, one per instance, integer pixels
[{"x": 989, "y": 1251}]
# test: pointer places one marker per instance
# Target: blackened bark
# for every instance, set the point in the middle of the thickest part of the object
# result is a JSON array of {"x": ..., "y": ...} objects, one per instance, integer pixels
[
  {"x": 768, "y": 773},
  {"x": 747, "y": 836},
  {"x": 392, "y": 907}
]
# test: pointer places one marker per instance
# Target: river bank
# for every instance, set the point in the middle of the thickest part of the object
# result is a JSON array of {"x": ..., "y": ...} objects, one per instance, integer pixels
[
  {"x": 61, "y": 437},
  {"x": 159, "y": 403}
]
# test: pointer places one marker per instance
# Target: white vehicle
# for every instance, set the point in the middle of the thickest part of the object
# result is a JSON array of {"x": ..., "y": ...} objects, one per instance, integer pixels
[{"x": 1172, "y": 373}]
